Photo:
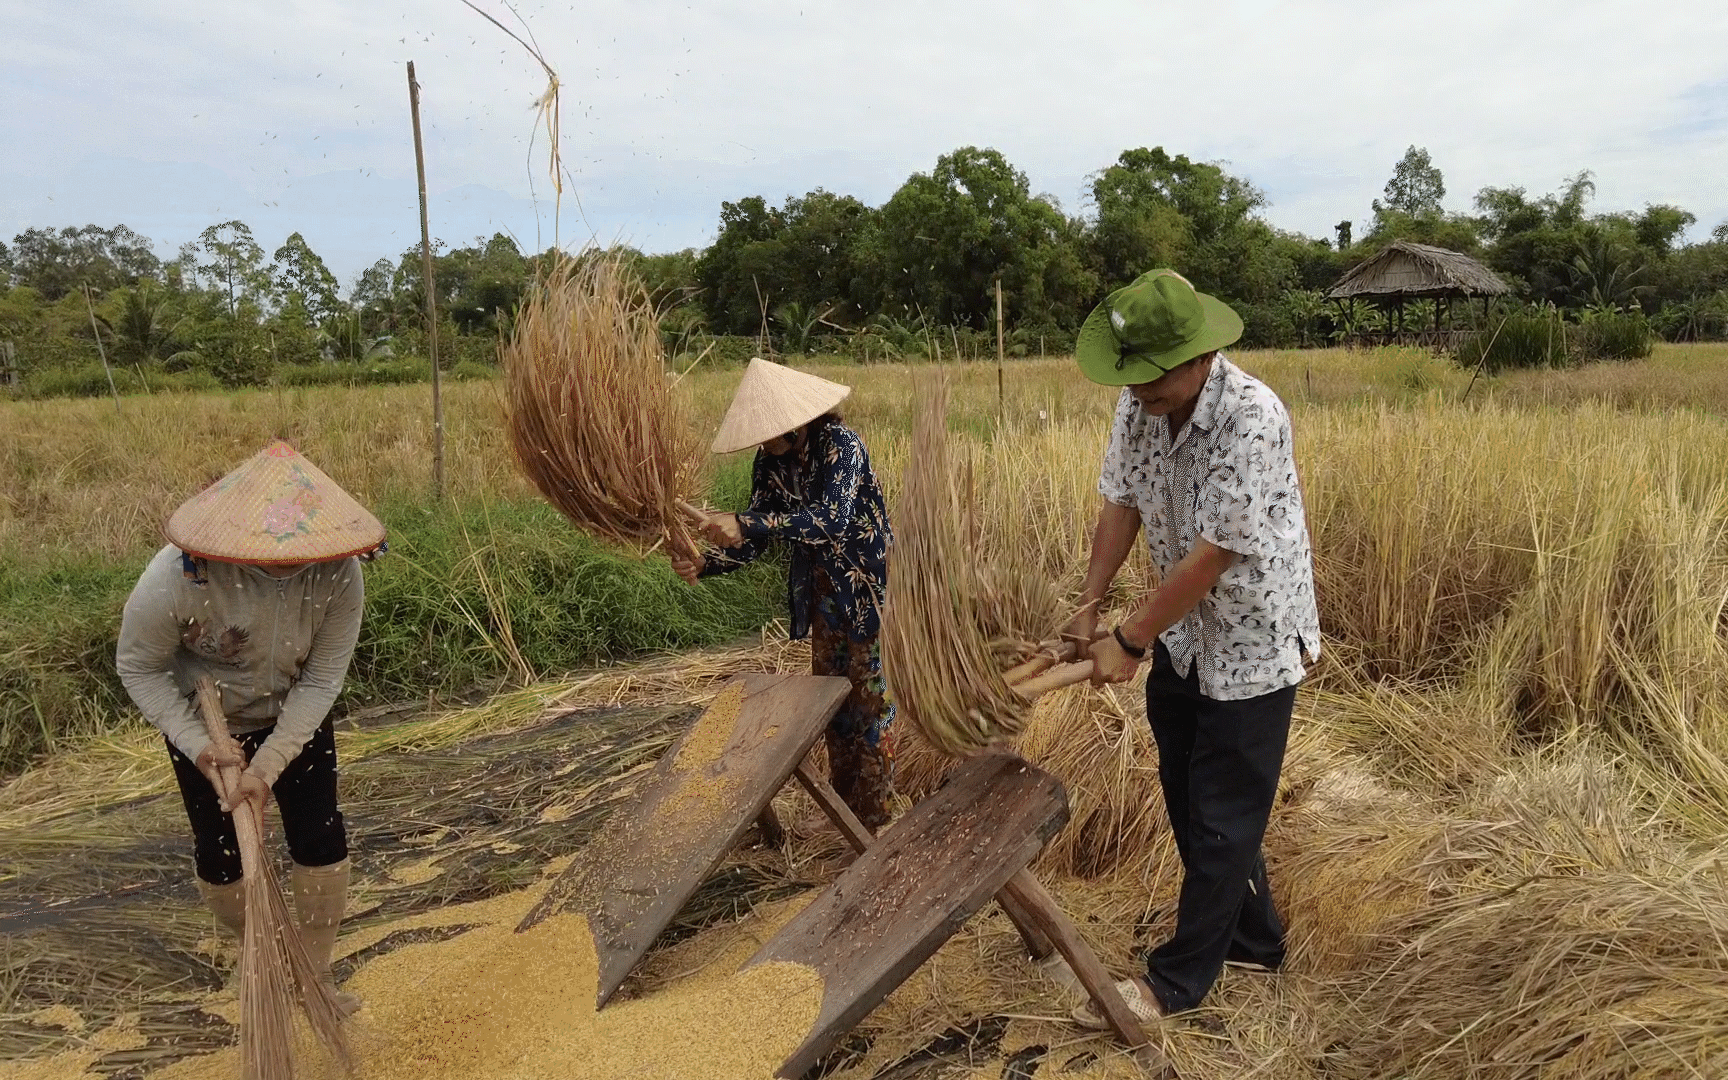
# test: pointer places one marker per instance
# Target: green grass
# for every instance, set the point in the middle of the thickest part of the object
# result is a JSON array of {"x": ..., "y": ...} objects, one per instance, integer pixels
[{"x": 469, "y": 594}]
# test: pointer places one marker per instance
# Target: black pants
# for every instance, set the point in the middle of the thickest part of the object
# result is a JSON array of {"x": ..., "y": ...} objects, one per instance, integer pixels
[
  {"x": 1218, "y": 762},
  {"x": 305, "y": 794}
]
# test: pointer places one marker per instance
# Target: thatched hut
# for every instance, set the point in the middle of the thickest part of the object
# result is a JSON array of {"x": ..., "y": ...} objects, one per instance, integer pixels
[{"x": 1404, "y": 272}]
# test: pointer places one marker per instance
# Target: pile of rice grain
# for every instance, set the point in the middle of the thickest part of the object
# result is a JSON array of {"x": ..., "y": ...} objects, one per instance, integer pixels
[{"x": 495, "y": 1003}]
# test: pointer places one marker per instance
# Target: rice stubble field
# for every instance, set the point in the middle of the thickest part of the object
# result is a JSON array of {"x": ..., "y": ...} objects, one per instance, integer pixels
[{"x": 1498, "y": 841}]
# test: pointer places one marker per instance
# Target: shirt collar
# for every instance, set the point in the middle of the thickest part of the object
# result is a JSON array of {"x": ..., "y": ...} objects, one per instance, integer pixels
[{"x": 1211, "y": 401}]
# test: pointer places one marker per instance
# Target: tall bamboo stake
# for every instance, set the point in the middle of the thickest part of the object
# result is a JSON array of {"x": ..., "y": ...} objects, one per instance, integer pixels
[
  {"x": 1001, "y": 400},
  {"x": 94, "y": 329},
  {"x": 431, "y": 292}
]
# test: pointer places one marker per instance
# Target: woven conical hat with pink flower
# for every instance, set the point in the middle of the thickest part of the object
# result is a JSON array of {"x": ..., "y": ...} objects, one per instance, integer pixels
[{"x": 276, "y": 508}]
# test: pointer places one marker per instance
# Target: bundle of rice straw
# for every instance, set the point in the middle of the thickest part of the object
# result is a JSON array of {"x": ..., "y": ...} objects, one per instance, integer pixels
[
  {"x": 960, "y": 615},
  {"x": 275, "y": 972},
  {"x": 593, "y": 419}
]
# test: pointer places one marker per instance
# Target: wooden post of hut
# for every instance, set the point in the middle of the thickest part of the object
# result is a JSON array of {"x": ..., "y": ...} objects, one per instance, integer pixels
[{"x": 1402, "y": 272}]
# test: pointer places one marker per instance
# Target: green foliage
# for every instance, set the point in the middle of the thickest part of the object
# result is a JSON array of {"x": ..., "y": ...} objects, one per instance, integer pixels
[
  {"x": 92, "y": 381},
  {"x": 56, "y": 263},
  {"x": 1298, "y": 319},
  {"x": 467, "y": 595},
  {"x": 940, "y": 242},
  {"x": 1616, "y": 335},
  {"x": 719, "y": 350},
  {"x": 58, "y": 624},
  {"x": 826, "y": 274},
  {"x": 1416, "y": 188},
  {"x": 234, "y": 264},
  {"x": 1532, "y": 339},
  {"x": 1696, "y": 318},
  {"x": 1155, "y": 210},
  {"x": 301, "y": 278},
  {"x": 809, "y": 251},
  {"x": 465, "y": 370},
  {"x": 375, "y": 373}
]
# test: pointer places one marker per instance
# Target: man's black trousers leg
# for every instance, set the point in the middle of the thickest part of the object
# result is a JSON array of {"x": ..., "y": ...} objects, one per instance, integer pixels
[{"x": 1218, "y": 762}]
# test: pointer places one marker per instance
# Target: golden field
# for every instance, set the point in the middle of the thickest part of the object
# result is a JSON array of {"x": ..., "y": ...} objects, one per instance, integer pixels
[{"x": 1507, "y": 791}]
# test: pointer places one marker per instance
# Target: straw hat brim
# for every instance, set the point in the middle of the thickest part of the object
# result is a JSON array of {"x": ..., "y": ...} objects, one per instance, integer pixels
[
  {"x": 276, "y": 508},
  {"x": 773, "y": 399}
]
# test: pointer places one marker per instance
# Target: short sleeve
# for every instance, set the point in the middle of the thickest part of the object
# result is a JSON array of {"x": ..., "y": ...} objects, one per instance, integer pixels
[
  {"x": 1252, "y": 473},
  {"x": 1124, "y": 440}
]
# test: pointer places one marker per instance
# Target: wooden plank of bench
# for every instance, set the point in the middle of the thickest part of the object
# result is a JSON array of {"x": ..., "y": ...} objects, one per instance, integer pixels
[
  {"x": 1035, "y": 913},
  {"x": 1037, "y": 945},
  {"x": 631, "y": 880},
  {"x": 912, "y": 888}
]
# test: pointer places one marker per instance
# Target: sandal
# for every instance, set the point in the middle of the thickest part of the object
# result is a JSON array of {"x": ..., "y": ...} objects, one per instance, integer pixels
[{"x": 1138, "y": 996}]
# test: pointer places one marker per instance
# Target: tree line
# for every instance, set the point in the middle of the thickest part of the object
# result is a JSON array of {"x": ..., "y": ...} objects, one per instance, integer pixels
[{"x": 826, "y": 271}]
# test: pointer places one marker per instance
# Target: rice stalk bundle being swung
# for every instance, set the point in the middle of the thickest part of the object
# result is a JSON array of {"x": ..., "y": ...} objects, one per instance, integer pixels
[
  {"x": 275, "y": 971},
  {"x": 594, "y": 422},
  {"x": 960, "y": 617}
]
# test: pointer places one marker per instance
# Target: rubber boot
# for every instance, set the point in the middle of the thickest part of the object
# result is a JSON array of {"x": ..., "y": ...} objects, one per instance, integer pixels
[
  {"x": 227, "y": 903},
  {"x": 320, "y": 896}
]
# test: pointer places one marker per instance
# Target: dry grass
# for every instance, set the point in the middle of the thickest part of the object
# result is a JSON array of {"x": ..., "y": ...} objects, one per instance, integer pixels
[
  {"x": 593, "y": 419},
  {"x": 1497, "y": 841},
  {"x": 1488, "y": 872}
]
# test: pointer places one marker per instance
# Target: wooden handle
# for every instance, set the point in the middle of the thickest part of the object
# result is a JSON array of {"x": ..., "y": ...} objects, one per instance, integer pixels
[
  {"x": 691, "y": 513},
  {"x": 1036, "y": 666},
  {"x": 1049, "y": 653},
  {"x": 248, "y": 828},
  {"x": 1054, "y": 679}
]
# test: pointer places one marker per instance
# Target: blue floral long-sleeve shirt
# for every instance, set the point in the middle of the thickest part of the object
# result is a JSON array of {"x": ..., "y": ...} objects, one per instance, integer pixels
[{"x": 824, "y": 501}]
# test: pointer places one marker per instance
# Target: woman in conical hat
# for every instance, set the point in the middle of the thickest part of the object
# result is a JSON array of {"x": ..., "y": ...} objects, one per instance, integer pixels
[
  {"x": 259, "y": 587},
  {"x": 814, "y": 489}
]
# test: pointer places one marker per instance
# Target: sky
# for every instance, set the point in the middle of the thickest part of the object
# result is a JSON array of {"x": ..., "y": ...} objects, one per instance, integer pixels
[{"x": 293, "y": 115}]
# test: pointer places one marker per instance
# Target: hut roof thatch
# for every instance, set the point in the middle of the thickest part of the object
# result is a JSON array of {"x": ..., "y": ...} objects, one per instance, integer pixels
[{"x": 1418, "y": 270}]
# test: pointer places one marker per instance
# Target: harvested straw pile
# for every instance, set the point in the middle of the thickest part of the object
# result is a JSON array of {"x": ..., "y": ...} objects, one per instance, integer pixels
[
  {"x": 593, "y": 420},
  {"x": 1582, "y": 942},
  {"x": 959, "y": 610}
]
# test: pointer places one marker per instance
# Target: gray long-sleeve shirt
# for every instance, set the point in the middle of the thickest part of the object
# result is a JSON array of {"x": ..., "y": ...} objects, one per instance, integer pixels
[{"x": 278, "y": 647}]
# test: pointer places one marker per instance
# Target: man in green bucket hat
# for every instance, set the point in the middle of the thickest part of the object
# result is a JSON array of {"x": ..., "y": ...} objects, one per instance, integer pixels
[{"x": 1200, "y": 458}]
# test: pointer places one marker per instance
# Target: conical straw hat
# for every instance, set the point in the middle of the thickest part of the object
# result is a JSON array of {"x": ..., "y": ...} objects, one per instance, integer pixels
[
  {"x": 276, "y": 508},
  {"x": 772, "y": 400}
]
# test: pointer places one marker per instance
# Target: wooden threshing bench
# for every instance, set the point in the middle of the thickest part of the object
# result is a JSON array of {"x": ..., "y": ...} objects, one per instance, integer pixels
[{"x": 907, "y": 893}]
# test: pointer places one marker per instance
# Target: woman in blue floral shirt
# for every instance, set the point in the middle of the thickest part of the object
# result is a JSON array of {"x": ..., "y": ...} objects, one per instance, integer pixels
[{"x": 812, "y": 486}]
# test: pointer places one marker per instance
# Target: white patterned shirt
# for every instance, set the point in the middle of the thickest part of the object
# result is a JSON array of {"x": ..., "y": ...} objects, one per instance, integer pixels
[{"x": 1230, "y": 479}]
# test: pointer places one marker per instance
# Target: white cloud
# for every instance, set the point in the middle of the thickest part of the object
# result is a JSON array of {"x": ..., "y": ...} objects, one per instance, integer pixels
[{"x": 669, "y": 108}]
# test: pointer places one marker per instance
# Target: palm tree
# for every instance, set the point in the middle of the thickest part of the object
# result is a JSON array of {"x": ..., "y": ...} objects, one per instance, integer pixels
[
  {"x": 145, "y": 324},
  {"x": 1603, "y": 272},
  {"x": 798, "y": 323}
]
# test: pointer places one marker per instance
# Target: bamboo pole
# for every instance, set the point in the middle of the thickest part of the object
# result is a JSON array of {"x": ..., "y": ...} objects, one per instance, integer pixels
[
  {"x": 430, "y": 282},
  {"x": 95, "y": 330},
  {"x": 1001, "y": 399}
]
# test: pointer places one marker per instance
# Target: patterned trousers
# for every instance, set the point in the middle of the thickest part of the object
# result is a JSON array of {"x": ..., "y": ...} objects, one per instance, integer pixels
[{"x": 860, "y": 744}]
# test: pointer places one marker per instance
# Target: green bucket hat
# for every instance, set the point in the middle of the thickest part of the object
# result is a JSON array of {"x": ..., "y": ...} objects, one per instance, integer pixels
[{"x": 1144, "y": 329}]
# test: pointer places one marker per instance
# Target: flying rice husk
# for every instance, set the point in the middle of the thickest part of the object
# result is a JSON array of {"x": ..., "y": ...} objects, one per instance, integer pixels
[
  {"x": 275, "y": 971},
  {"x": 594, "y": 422},
  {"x": 958, "y": 613}
]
